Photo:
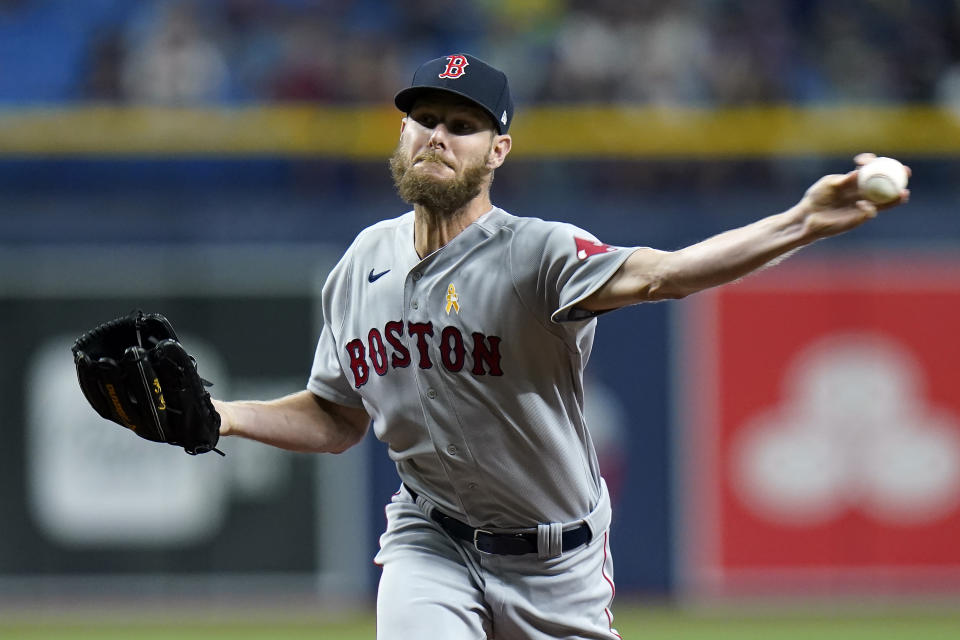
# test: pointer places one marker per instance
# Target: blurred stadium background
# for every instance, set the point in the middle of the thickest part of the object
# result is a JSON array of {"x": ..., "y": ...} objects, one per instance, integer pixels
[{"x": 784, "y": 453}]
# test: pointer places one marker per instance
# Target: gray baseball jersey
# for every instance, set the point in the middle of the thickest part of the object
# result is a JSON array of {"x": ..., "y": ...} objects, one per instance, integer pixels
[{"x": 470, "y": 362}]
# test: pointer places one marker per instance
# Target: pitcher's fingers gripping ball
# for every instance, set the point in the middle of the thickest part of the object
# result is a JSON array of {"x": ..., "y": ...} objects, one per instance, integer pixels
[{"x": 134, "y": 371}]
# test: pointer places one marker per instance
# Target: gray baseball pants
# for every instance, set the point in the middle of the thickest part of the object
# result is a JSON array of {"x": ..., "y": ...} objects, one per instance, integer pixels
[{"x": 436, "y": 587}]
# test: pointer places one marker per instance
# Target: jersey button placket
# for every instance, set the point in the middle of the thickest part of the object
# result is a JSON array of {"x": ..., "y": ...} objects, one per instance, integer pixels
[{"x": 454, "y": 456}]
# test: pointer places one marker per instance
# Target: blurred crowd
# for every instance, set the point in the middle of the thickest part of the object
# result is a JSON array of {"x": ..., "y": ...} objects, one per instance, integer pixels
[{"x": 691, "y": 52}]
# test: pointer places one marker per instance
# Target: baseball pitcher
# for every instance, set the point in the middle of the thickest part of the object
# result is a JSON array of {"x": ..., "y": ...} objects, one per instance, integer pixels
[{"x": 460, "y": 332}]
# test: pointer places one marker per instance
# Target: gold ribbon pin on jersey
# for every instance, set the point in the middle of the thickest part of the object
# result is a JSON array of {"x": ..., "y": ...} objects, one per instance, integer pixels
[{"x": 453, "y": 300}]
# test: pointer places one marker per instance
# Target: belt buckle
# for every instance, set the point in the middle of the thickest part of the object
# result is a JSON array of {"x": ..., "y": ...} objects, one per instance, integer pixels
[{"x": 476, "y": 545}]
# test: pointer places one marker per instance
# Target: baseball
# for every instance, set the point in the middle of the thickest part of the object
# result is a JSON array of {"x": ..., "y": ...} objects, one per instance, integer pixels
[{"x": 882, "y": 180}]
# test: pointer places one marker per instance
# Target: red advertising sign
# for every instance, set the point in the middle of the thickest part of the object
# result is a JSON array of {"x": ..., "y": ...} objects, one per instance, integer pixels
[{"x": 821, "y": 448}]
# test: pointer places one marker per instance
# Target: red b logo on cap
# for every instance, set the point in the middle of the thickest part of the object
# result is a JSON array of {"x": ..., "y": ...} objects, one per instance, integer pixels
[{"x": 456, "y": 67}]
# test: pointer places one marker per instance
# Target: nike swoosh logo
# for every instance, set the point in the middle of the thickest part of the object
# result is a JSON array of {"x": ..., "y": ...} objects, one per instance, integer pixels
[{"x": 373, "y": 277}]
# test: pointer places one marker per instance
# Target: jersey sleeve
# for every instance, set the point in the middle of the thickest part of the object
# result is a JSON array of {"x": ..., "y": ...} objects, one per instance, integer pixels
[
  {"x": 573, "y": 265},
  {"x": 327, "y": 378}
]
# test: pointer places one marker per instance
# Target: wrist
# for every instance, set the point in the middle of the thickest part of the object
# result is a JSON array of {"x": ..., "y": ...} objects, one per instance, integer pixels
[
  {"x": 226, "y": 417},
  {"x": 800, "y": 219}
]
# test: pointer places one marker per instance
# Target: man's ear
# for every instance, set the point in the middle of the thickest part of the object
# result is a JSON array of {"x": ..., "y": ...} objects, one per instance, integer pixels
[
  {"x": 499, "y": 150},
  {"x": 403, "y": 124}
]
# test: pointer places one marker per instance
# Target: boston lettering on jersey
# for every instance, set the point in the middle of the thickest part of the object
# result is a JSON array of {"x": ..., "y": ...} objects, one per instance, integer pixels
[{"x": 452, "y": 344}]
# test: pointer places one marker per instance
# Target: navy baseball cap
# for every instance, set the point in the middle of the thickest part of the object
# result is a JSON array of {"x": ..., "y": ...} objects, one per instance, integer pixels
[{"x": 466, "y": 76}]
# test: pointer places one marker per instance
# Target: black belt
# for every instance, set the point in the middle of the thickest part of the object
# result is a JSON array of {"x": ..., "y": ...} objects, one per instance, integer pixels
[{"x": 504, "y": 544}]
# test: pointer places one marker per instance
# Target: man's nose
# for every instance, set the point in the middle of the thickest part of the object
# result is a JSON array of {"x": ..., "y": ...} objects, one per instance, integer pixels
[{"x": 438, "y": 139}]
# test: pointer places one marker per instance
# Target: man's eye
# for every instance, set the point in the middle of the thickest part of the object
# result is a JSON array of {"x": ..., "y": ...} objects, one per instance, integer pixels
[{"x": 427, "y": 121}]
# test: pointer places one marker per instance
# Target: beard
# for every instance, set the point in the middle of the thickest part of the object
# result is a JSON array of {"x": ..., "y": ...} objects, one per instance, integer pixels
[{"x": 441, "y": 197}]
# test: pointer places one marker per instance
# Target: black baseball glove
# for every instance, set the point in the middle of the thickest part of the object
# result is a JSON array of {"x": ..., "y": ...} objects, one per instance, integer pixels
[{"x": 134, "y": 371}]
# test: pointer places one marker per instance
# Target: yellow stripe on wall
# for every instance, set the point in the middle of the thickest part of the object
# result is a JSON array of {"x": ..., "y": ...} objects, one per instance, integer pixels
[
  {"x": 761, "y": 131},
  {"x": 369, "y": 133}
]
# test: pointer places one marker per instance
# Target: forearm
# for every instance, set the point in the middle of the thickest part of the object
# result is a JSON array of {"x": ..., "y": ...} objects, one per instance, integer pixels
[
  {"x": 297, "y": 422},
  {"x": 731, "y": 255},
  {"x": 649, "y": 275}
]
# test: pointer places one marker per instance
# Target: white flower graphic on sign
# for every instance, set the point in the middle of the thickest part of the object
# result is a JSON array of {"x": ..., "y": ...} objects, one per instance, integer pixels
[{"x": 853, "y": 431}]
